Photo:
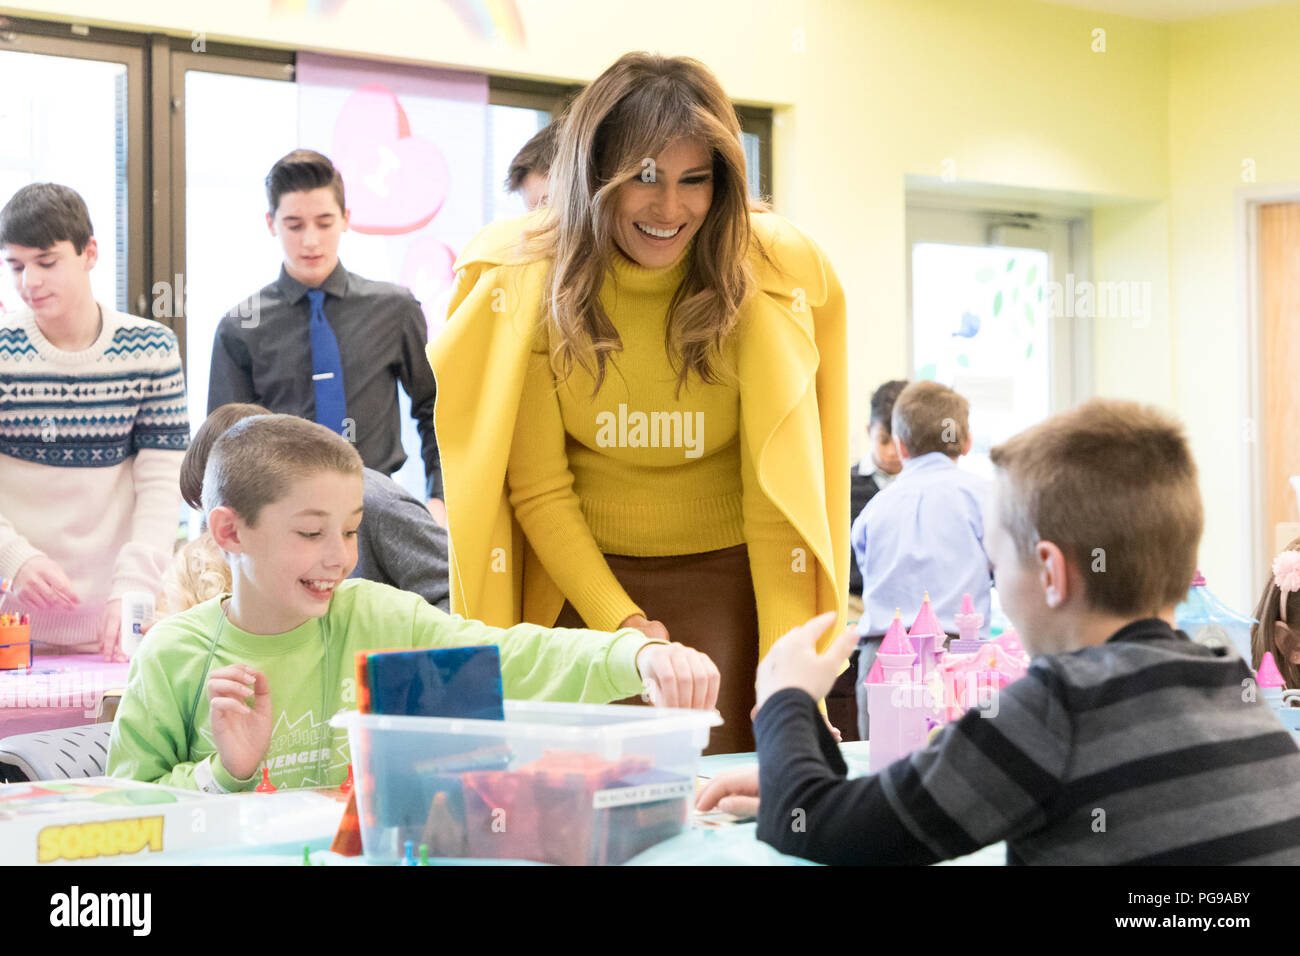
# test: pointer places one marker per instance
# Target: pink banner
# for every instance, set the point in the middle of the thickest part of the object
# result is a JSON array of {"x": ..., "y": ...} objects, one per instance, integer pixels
[{"x": 411, "y": 144}]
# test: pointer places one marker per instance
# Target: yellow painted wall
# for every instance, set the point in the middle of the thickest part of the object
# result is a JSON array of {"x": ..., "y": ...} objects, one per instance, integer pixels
[
  {"x": 1235, "y": 95},
  {"x": 1132, "y": 354}
]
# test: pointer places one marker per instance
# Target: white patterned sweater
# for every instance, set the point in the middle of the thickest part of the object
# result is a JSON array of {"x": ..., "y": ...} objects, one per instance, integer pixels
[{"x": 91, "y": 444}]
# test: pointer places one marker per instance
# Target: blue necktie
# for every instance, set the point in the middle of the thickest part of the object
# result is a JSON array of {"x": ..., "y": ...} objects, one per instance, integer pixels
[{"x": 326, "y": 367}]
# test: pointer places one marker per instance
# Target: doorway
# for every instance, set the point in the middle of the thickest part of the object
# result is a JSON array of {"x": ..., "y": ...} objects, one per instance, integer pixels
[
  {"x": 989, "y": 291},
  {"x": 1277, "y": 277}
]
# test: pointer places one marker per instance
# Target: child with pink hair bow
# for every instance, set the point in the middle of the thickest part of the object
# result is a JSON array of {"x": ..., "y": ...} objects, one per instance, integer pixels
[{"x": 1277, "y": 617}]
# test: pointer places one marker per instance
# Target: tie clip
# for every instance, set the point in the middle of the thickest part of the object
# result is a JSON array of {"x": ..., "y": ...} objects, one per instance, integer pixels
[{"x": 322, "y": 375}]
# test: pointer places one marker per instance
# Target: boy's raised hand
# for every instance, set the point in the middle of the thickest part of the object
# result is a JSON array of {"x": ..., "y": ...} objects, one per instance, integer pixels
[
  {"x": 677, "y": 676},
  {"x": 793, "y": 661},
  {"x": 242, "y": 733}
]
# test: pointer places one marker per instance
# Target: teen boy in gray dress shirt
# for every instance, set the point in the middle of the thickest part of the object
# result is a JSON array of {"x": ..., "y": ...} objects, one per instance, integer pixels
[{"x": 263, "y": 349}]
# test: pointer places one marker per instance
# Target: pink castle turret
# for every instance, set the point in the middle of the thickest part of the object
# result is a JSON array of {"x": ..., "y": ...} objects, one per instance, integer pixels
[
  {"x": 1270, "y": 680},
  {"x": 893, "y": 698},
  {"x": 968, "y": 621},
  {"x": 897, "y": 654},
  {"x": 928, "y": 638},
  {"x": 876, "y": 674},
  {"x": 1268, "y": 674}
]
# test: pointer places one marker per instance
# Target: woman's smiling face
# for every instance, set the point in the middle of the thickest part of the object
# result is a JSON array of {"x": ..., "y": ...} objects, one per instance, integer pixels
[{"x": 659, "y": 213}]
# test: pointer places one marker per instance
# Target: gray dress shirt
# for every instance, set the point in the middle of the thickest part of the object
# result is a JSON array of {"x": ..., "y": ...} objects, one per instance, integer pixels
[{"x": 262, "y": 354}]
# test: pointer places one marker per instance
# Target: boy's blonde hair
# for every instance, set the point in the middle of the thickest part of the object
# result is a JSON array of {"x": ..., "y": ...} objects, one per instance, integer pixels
[
  {"x": 254, "y": 461},
  {"x": 1113, "y": 485},
  {"x": 931, "y": 417},
  {"x": 1267, "y": 613}
]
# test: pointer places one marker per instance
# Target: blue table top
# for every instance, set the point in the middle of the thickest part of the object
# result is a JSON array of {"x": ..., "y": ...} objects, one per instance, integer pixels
[{"x": 733, "y": 845}]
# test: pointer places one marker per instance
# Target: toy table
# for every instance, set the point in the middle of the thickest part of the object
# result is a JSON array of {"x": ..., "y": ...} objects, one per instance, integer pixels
[
  {"x": 60, "y": 690},
  {"x": 724, "y": 846}
]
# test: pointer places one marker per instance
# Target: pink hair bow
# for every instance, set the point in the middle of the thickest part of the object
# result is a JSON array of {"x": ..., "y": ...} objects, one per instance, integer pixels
[{"x": 1286, "y": 575}]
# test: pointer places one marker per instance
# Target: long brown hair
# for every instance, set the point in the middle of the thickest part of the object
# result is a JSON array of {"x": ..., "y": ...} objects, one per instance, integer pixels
[
  {"x": 635, "y": 109},
  {"x": 1267, "y": 613}
]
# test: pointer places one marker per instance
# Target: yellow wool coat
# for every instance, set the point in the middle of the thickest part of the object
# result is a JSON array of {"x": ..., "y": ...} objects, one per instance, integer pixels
[{"x": 791, "y": 359}]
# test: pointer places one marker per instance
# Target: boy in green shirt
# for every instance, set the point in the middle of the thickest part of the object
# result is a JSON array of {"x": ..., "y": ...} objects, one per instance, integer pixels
[{"x": 251, "y": 679}]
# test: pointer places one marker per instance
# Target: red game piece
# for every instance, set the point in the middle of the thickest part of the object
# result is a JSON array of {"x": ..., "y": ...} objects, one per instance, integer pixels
[
  {"x": 266, "y": 786},
  {"x": 346, "y": 786}
]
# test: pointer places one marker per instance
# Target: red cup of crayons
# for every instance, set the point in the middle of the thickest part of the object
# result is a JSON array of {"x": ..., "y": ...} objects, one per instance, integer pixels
[{"x": 15, "y": 637}]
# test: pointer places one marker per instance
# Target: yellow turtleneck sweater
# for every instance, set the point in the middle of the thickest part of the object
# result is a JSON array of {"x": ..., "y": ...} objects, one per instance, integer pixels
[{"x": 636, "y": 470}]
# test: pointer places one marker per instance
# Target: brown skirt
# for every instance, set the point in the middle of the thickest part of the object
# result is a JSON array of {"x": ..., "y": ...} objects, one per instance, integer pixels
[{"x": 707, "y": 602}]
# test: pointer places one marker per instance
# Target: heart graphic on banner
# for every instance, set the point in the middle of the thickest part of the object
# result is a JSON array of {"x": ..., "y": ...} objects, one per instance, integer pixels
[
  {"x": 395, "y": 182},
  {"x": 427, "y": 271}
]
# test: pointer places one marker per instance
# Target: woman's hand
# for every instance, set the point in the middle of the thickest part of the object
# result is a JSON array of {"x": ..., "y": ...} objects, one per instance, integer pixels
[
  {"x": 242, "y": 733},
  {"x": 677, "y": 676},
  {"x": 835, "y": 731},
  {"x": 734, "y": 792},
  {"x": 651, "y": 629}
]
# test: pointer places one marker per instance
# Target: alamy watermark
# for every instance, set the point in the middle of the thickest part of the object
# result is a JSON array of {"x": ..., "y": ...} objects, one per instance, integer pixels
[
  {"x": 1100, "y": 300},
  {"x": 976, "y": 694},
  {"x": 169, "y": 300},
  {"x": 651, "y": 430},
  {"x": 40, "y": 691},
  {"x": 129, "y": 910}
]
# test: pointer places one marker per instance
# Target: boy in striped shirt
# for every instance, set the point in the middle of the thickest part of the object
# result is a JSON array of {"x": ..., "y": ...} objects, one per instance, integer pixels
[{"x": 1125, "y": 743}]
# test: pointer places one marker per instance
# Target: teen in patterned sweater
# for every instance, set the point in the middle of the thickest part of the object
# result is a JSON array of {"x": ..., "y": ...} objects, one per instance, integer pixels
[{"x": 93, "y": 426}]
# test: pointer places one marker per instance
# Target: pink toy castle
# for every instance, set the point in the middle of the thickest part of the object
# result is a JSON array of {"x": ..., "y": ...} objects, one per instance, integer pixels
[
  {"x": 915, "y": 686},
  {"x": 968, "y": 621}
]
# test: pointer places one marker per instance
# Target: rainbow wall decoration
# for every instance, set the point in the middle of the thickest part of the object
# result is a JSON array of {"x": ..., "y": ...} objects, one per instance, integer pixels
[
  {"x": 310, "y": 8},
  {"x": 487, "y": 20}
]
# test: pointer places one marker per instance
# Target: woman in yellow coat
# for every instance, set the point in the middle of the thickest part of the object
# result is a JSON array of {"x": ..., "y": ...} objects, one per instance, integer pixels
[{"x": 642, "y": 393}]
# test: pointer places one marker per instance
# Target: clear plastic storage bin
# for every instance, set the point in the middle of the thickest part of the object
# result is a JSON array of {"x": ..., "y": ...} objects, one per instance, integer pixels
[{"x": 553, "y": 783}]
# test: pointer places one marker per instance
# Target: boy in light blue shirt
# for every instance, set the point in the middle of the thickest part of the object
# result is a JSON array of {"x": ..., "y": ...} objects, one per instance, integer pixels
[{"x": 925, "y": 531}]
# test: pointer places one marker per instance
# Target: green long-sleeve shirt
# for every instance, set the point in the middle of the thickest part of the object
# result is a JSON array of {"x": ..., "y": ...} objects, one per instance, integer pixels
[{"x": 311, "y": 675}]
